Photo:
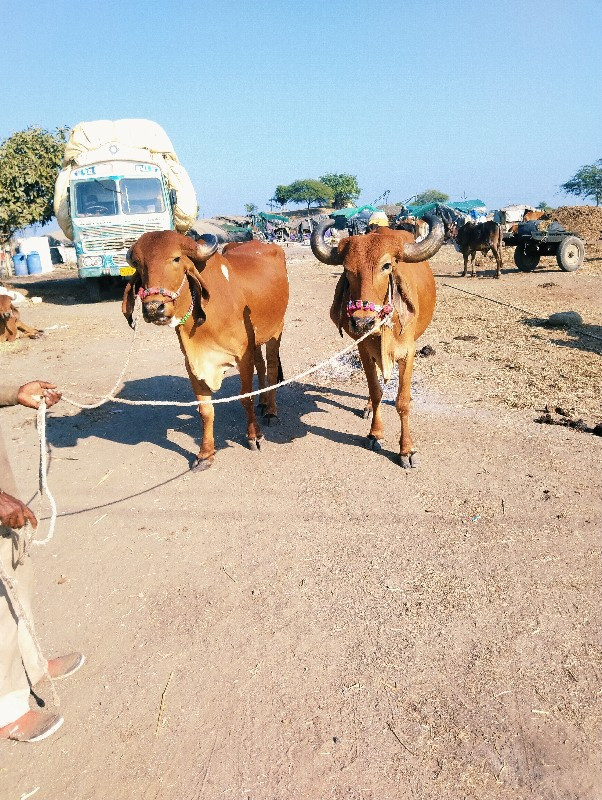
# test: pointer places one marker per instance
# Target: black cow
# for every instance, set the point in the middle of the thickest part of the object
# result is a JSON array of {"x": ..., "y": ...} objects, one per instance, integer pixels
[{"x": 479, "y": 236}]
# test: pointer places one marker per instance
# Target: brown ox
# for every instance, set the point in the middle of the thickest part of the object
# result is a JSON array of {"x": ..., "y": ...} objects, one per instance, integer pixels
[
  {"x": 530, "y": 215},
  {"x": 481, "y": 237},
  {"x": 376, "y": 280},
  {"x": 224, "y": 307},
  {"x": 11, "y": 323}
]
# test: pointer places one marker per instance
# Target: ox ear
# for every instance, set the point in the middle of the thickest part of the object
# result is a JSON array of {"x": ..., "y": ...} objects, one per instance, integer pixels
[
  {"x": 403, "y": 298},
  {"x": 339, "y": 302},
  {"x": 129, "y": 298},
  {"x": 202, "y": 295}
]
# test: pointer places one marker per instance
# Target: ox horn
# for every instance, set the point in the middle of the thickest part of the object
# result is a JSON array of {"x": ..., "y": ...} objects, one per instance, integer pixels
[
  {"x": 421, "y": 251},
  {"x": 324, "y": 253},
  {"x": 206, "y": 246}
]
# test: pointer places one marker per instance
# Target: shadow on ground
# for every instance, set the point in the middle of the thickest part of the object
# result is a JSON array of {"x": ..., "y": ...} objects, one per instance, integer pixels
[
  {"x": 156, "y": 425},
  {"x": 68, "y": 291},
  {"x": 584, "y": 337}
]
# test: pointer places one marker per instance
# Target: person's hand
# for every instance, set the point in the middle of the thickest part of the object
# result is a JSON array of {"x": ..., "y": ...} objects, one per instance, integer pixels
[
  {"x": 13, "y": 513},
  {"x": 30, "y": 394}
]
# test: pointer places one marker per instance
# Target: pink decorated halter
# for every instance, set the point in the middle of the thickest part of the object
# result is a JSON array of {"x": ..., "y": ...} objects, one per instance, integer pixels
[
  {"x": 366, "y": 305},
  {"x": 173, "y": 296}
]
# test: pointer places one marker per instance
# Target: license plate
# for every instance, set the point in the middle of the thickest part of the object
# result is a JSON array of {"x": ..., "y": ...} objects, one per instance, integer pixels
[{"x": 126, "y": 270}]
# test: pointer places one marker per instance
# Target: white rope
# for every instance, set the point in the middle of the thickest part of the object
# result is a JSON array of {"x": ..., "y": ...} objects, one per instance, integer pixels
[
  {"x": 41, "y": 417},
  {"x": 181, "y": 404},
  {"x": 44, "y": 490}
]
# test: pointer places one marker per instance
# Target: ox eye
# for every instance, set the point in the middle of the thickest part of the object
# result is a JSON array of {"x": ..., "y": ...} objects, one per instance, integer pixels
[
  {"x": 176, "y": 259},
  {"x": 386, "y": 267}
]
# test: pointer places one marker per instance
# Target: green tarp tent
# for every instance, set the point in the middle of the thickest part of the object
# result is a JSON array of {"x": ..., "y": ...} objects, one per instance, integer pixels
[
  {"x": 463, "y": 206},
  {"x": 273, "y": 217},
  {"x": 348, "y": 213}
]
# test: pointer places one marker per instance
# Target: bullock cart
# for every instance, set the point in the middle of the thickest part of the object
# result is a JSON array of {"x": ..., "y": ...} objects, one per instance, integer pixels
[{"x": 544, "y": 238}]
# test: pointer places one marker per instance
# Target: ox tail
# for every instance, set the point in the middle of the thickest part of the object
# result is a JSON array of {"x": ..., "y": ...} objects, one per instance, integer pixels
[{"x": 280, "y": 372}]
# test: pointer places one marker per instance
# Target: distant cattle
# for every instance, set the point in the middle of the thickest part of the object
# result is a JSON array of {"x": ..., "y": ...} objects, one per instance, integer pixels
[
  {"x": 475, "y": 237},
  {"x": 530, "y": 215}
]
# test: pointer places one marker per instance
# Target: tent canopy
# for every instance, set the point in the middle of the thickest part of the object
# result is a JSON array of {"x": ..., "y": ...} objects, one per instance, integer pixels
[
  {"x": 348, "y": 213},
  {"x": 463, "y": 206},
  {"x": 273, "y": 217}
]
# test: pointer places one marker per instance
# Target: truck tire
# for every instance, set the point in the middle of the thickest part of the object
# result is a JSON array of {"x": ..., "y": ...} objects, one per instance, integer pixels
[
  {"x": 570, "y": 254},
  {"x": 526, "y": 257},
  {"x": 93, "y": 286}
]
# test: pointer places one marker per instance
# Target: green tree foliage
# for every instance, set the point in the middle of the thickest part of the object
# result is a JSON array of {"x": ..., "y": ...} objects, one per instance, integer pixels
[
  {"x": 345, "y": 188},
  {"x": 431, "y": 196},
  {"x": 309, "y": 191},
  {"x": 29, "y": 164},
  {"x": 587, "y": 182},
  {"x": 251, "y": 208},
  {"x": 281, "y": 195},
  {"x": 543, "y": 206}
]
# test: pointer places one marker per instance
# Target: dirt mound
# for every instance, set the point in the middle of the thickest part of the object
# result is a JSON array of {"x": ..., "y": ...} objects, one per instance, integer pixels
[{"x": 584, "y": 220}]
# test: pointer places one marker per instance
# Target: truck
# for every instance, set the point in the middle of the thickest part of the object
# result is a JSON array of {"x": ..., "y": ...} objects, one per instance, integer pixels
[{"x": 119, "y": 180}]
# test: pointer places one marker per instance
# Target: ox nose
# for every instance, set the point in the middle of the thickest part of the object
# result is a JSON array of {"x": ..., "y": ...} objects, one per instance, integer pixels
[
  {"x": 362, "y": 325},
  {"x": 153, "y": 310}
]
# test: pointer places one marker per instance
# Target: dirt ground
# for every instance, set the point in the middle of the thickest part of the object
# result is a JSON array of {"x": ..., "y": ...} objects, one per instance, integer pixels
[{"x": 312, "y": 622}]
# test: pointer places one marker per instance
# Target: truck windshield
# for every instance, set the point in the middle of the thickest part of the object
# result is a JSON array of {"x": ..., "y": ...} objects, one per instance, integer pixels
[
  {"x": 141, "y": 196},
  {"x": 97, "y": 198}
]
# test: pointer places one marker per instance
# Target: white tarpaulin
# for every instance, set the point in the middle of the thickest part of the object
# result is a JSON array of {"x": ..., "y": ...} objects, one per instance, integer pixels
[{"x": 124, "y": 140}]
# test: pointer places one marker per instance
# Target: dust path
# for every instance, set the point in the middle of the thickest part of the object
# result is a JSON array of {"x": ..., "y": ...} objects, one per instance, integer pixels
[{"x": 326, "y": 624}]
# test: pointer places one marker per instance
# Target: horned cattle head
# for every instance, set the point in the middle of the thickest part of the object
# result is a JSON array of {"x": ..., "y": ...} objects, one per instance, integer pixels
[
  {"x": 168, "y": 277},
  {"x": 373, "y": 283}
]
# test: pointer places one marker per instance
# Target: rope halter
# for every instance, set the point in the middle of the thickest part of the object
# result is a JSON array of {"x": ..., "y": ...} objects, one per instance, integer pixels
[{"x": 173, "y": 296}]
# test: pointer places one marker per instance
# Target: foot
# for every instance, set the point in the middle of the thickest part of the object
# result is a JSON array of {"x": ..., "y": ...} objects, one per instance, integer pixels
[
  {"x": 32, "y": 727},
  {"x": 201, "y": 464},
  {"x": 63, "y": 666}
]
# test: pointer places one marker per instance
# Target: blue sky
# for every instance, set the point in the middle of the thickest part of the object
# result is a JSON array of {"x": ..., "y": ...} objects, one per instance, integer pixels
[{"x": 497, "y": 100}]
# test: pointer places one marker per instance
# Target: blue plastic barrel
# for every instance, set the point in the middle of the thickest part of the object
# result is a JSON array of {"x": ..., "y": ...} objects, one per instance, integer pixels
[
  {"x": 34, "y": 263},
  {"x": 20, "y": 264}
]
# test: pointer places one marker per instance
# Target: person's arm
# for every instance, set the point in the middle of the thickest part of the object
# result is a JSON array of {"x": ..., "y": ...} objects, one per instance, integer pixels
[
  {"x": 9, "y": 395},
  {"x": 30, "y": 394},
  {"x": 13, "y": 513}
]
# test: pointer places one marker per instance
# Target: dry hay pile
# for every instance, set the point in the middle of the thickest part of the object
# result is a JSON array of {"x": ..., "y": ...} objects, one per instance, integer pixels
[
  {"x": 584, "y": 220},
  {"x": 490, "y": 354}
]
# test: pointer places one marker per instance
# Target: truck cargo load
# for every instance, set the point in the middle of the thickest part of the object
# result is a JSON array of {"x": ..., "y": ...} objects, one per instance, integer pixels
[{"x": 126, "y": 140}]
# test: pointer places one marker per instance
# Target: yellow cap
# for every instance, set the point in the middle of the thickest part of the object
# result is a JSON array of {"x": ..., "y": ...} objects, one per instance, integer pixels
[{"x": 379, "y": 218}]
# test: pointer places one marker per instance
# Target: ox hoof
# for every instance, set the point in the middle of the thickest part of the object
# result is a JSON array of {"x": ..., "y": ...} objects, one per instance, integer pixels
[
  {"x": 409, "y": 461},
  {"x": 367, "y": 412},
  {"x": 271, "y": 419},
  {"x": 256, "y": 444},
  {"x": 261, "y": 408},
  {"x": 201, "y": 464},
  {"x": 373, "y": 444}
]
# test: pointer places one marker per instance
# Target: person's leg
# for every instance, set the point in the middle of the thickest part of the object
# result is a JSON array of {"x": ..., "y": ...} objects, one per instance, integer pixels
[{"x": 19, "y": 661}]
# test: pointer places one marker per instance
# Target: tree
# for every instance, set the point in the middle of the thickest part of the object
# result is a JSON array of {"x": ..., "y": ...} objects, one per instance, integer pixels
[
  {"x": 431, "y": 196},
  {"x": 587, "y": 182},
  {"x": 29, "y": 163},
  {"x": 543, "y": 206},
  {"x": 251, "y": 208},
  {"x": 344, "y": 187},
  {"x": 281, "y": 195},
  {"x": 309, "y": 191}
]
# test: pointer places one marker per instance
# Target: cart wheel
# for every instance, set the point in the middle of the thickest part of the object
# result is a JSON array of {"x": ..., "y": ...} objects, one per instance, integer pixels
[
  {"x": 570, "y": 254},
  {"x": 526, "y": 257},
  {"x": 93, "y": 285}
]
